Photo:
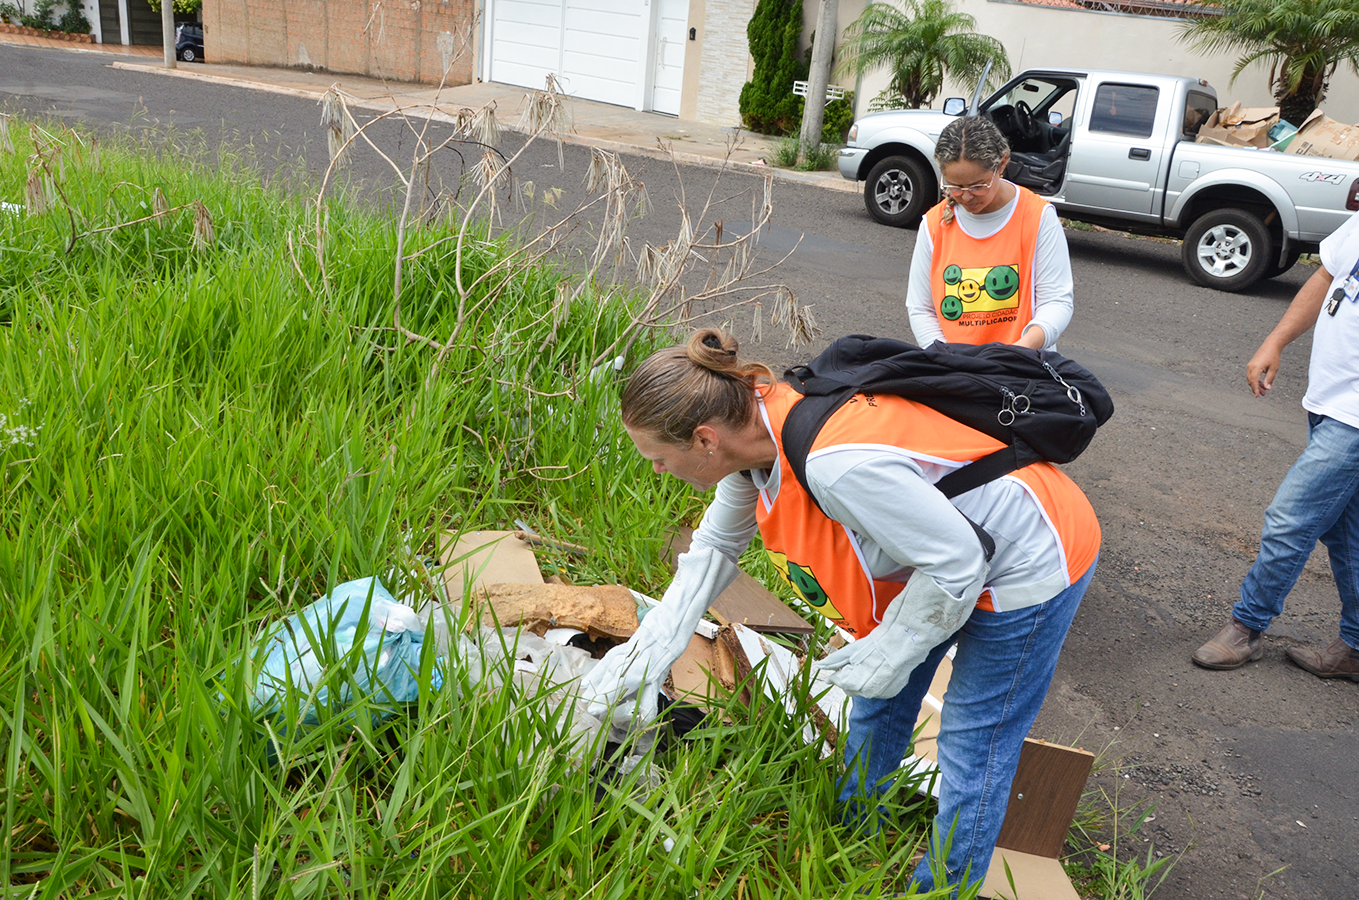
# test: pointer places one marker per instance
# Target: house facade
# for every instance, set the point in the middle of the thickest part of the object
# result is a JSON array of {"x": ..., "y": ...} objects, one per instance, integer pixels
[{"x": 684, "y": 58}]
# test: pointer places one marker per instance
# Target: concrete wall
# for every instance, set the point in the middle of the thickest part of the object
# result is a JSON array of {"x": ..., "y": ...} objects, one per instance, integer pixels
[
  {"x": 408, "y": 40},
  {"x": 1036, "y": 36}
]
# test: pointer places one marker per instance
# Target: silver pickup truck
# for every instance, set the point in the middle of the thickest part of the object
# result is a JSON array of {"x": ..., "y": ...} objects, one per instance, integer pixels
[{"x": 1117, "y": 149}]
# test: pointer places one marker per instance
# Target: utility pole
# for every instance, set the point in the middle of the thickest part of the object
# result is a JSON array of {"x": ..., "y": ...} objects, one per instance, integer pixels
[
  {"x": 823, "y": 49},
  {"x": 167, "y": 31}
]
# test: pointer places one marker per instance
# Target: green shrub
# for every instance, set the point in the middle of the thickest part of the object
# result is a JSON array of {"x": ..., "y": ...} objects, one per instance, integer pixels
[
  {"x": 187, "y": 7},
  {"x": 785, "y": 152},
  {"x": 839, "y": 116},
  {"x": 43, "y": 15},
  {"x": 10, "y": 12},
  {"x": 74, "y": 21},
  {"x": 768, "y": 104}
]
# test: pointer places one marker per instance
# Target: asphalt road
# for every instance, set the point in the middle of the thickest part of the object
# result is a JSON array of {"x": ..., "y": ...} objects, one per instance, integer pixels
[{"x": 1251, "y": 773}]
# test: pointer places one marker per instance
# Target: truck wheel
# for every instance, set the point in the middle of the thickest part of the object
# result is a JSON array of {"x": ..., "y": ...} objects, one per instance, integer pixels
[
  {"x": 1227, "y": 249},
  {"x": 1276, "y": 268},
  {"x": 898, "y": 191}
]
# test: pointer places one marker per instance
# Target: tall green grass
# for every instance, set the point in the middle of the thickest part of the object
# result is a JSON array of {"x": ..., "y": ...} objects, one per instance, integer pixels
[{"x": 200, "y": 439}]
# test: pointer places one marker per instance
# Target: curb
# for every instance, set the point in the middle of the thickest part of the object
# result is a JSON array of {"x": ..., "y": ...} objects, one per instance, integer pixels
[{"x": 826, "y": 180}]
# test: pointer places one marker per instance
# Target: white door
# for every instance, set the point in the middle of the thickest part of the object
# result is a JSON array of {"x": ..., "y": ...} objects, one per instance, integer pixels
[
  {"x": 595, "y": 47},
  {"x": 672, "y": 26}
]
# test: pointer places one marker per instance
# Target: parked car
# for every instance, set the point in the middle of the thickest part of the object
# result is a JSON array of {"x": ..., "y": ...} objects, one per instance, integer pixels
[
  {"x": 189, "y": 42},
  {"x": 1118, "y": 149}
]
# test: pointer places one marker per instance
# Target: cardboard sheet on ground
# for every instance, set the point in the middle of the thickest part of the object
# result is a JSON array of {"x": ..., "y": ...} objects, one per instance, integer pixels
[
  {"x": 486, "y": 557},
  {"x": 746, "y": 601}
]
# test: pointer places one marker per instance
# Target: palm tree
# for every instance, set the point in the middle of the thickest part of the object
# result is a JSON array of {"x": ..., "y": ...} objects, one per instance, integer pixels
[
  {"x": 1302, "y": 41},
  {"x": 921, "y": 43}
]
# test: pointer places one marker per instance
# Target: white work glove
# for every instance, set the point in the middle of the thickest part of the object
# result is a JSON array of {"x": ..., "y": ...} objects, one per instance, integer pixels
[
  {"x": 880, "y": 663},
  {"x": 624, "y": 685}
]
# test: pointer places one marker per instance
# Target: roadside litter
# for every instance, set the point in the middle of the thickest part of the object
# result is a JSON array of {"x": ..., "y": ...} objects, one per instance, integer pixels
[{"x": 359, "y": 640}]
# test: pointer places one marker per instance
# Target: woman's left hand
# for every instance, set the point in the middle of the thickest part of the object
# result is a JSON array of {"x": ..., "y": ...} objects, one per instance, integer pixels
[{"x": 879, "y": 664}]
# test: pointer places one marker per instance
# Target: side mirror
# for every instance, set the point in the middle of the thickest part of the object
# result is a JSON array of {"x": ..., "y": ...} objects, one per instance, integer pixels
[
  {"x": 1054, "y": 118},
  {"x": 955, "y": 106}
]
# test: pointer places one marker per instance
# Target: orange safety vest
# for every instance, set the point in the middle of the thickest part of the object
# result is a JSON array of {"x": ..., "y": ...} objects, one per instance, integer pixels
[
  {"x": 983, "y": 289},
  {"x": 821, "y": 558}
]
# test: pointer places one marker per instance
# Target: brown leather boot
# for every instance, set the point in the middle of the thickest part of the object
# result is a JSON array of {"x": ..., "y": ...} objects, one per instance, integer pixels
[
  {"x": 1339, "y": 660},
  {"x": 1231, "y": 648}
]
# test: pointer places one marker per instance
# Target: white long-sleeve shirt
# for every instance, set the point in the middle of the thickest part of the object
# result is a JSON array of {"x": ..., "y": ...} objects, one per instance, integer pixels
[
  {"x": 1053, "y": 289},
  {"x": 903, "y": 523}
]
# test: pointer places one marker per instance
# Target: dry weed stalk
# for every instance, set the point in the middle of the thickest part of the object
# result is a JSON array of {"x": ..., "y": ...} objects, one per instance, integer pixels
[
  {"x": 612, "y": 193},
  {"x": 733, "y": 275},
  {"x": 6, "y": 144}
]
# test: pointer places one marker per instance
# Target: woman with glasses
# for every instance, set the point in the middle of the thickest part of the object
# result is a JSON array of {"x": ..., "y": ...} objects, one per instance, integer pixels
[{"x": 991, "y": 263}]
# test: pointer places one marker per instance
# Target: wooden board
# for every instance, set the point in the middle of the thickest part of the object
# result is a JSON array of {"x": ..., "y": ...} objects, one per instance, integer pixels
[
  {"x": 746, "y": 601},
  {"x": 1043, "y": 798},
  {"x": 486, "y": 557},
  {"x": 1035, "y": 878}
]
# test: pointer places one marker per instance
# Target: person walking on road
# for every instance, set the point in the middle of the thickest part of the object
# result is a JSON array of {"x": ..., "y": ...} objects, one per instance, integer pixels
[
  {"x": 877, "y": 548},
  {"x": 1319, "y": 497},
  {"x": 991, "y": 263}
]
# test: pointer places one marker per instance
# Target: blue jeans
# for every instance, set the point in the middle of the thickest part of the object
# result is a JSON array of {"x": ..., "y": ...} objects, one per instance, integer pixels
[
  {"x": 1318, "y": 500},
  {"x": 1001, "y": 674}
]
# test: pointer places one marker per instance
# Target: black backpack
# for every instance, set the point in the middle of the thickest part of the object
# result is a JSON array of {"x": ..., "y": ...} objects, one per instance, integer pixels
[{"x": 1040, "y": 404}]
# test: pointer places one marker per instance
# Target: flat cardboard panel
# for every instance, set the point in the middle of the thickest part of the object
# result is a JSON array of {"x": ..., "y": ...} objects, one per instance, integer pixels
[
  {"x": 746, "y": 601},
  {"x": 1043, "y": 798},
  {"x": 1320, "y": 135},
  {"x": 1035, "y": 878},
  {"x": 496, "y": 557}
]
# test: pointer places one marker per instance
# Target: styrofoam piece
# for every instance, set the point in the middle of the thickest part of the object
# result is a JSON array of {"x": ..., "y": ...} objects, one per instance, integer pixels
[
  {"x": 560, "y": 636},
  {"x": 645, "y": 604}
]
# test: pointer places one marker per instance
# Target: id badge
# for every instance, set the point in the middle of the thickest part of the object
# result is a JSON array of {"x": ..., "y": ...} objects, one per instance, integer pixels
[{"x": 1351, "y": 288}]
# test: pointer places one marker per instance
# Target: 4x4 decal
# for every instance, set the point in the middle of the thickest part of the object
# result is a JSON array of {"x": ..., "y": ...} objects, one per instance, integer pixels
[{"x": 1336, "y": 178}]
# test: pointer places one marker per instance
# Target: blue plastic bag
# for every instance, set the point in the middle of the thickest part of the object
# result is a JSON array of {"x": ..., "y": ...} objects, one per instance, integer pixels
[{"x": 303, "y": 650}]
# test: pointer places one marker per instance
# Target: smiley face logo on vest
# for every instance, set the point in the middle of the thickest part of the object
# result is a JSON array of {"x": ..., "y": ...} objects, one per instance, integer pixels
[
  {"x": 804, "y": 582},
  {"x": 978, "y": 290}
]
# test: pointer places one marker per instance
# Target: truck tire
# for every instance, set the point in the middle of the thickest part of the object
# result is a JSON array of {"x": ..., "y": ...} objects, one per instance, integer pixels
[
  {"x": 1276, "y": 268},
  {"x": 898, "y": 191},
  {"x": 1227, "y": 249}
]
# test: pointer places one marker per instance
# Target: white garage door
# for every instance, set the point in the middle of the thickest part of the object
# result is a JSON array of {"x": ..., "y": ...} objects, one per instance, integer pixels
[
  {"x": 597, "y": 48},
  {"x": 602, "y": 44},
  {"x": 526, "y": 41}
]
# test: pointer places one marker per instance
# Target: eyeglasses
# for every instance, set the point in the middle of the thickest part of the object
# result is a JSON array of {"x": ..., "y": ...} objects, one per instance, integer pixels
[{"x": 956, "y": 190}]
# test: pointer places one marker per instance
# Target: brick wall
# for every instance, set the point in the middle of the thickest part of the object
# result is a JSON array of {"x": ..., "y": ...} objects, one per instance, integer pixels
[
  {"x": 726, "y": 61},
  {"x": 400, "y": 40}
]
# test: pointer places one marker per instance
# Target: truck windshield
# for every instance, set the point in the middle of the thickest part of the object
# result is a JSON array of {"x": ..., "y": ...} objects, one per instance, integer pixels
[{"x": 1037, "y": 93}]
